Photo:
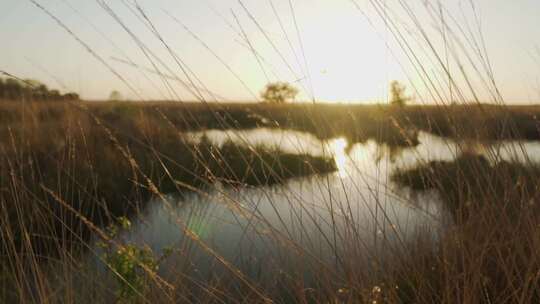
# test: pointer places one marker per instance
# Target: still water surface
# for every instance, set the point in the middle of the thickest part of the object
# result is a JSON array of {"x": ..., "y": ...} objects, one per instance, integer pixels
[{"x": 355, "y": 211}]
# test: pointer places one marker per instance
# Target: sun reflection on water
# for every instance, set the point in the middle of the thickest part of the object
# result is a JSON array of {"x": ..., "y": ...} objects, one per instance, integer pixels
[{"x": 337, "y": 149}]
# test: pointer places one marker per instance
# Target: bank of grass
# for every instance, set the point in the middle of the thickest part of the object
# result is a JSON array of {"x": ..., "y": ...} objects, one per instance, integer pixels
[
  {"x": 472, "y": 179},
  {"x": 357, "y": 123},
  {"x": 104, "y": 168},
  {"x": 483, "y": 122},
  {"x": 490, "y": 253},
  {"x": 392, "y": 125},
  {"x": 387, "y": 124}
]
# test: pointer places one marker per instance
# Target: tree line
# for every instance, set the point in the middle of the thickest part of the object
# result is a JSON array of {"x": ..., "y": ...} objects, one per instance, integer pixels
[{"x": 13, "y": 89}]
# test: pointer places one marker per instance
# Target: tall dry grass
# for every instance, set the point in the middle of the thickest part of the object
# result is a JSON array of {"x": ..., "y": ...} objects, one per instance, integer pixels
[{"x": 62, "y": 164}]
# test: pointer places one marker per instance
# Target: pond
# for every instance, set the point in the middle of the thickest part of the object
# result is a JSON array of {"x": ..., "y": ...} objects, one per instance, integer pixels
[{"x": 347, "y": 218}]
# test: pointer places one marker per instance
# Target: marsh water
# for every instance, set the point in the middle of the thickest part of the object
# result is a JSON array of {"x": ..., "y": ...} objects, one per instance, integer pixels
[{"x": 315, "y": 219}]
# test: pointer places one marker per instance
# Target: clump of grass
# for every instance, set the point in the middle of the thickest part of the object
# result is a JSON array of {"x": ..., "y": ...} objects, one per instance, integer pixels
[
  {"x": 489, "y": 253},
  {"x": 262, "y": 165},
  {"x": 472, "y": 179}
]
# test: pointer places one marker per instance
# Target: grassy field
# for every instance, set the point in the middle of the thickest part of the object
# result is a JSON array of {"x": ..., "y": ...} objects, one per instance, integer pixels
[
  {"x": 358, "y": 123},
  {"x": 68, "y": 170}
]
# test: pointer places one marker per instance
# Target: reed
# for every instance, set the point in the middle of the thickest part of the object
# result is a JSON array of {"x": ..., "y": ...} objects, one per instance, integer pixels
[{"x": 71, "y": 171}]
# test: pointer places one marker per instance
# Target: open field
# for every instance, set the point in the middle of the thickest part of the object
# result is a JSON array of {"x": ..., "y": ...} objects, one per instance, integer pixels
[{"x": 385, "y": 124}]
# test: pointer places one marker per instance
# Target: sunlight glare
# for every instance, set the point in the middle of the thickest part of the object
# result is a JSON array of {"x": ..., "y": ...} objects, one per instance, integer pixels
[{"x": 337, "y": 149}]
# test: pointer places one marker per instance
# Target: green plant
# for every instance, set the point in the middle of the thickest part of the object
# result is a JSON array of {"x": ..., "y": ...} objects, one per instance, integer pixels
[{"x": 127, "y": 262}]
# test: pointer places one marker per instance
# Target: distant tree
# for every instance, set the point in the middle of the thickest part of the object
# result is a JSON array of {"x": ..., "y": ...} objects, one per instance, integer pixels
[
  {"x": 13, "y": 89},
  {"x": 279, "y": 92},
  {"x": 39, "y": 91},
  {"x": 54, "y": 95},
  {"x": 115, "y": 96},
  {"x": 397, "y": 94},
  {"x": 32, "y": 90},
  {"x": 71, "y": 96}
]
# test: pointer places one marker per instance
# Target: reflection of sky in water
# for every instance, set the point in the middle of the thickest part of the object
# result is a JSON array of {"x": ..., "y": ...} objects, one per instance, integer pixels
[
  {"x": 288, "y": 141},
  {"x": 316, "y": 216}
]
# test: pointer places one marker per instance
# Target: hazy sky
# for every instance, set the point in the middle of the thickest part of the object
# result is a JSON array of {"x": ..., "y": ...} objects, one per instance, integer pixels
[{"x": 331, "y": 49}]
